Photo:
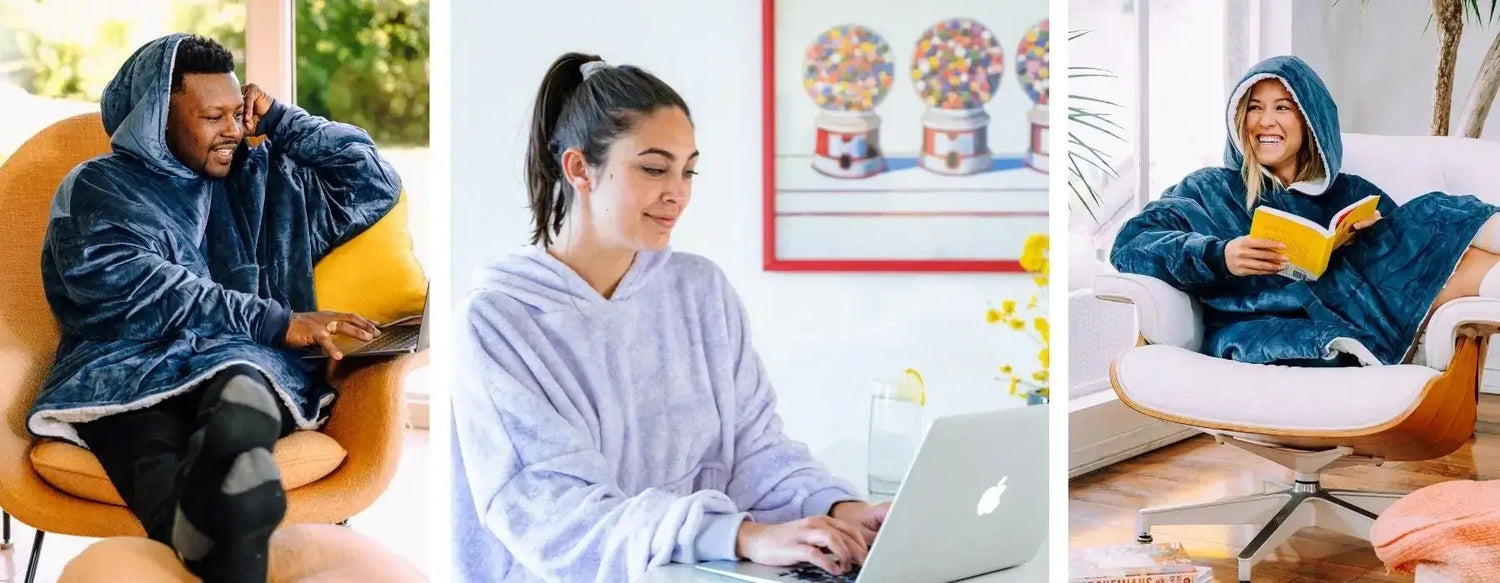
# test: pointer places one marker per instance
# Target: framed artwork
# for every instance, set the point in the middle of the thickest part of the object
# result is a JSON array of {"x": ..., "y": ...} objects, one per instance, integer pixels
[{"x": 902, "y": 136}]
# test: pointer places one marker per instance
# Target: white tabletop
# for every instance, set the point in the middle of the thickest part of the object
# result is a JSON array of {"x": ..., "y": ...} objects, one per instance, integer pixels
[{"x": 1033, "y": 571}]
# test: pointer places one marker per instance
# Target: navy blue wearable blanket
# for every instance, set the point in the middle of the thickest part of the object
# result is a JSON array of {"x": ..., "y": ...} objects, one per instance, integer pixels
[
  {"x": 160, "y": 276},
  {"x": 1378, "y": 288}
]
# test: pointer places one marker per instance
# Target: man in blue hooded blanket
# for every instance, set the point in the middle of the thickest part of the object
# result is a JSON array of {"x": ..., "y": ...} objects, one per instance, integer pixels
[
  {"x": 179, "y": 267},
  {"x": 1284, "y": 150}
]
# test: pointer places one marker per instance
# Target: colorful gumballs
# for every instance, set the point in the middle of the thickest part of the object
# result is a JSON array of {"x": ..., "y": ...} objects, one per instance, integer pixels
[
  {"x": 1033, "y": 71},
  {"x": 957, "y": 64},
  {"x": 956, "y": 69},
  {"x": 847, "y": 71},
  {"x": 848, "y": 68},
  {"x": 1032, "y": 67}
]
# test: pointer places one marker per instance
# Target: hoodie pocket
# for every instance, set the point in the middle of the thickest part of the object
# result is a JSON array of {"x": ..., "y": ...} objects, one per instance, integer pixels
[{"x": 707, "y": 476}]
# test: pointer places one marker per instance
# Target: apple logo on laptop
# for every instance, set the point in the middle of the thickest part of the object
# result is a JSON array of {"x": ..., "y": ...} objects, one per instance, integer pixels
[{"x": 990, "y": 500}]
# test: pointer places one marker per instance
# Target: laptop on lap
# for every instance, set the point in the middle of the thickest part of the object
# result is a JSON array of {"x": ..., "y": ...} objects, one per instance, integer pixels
[
  {"x": 973, "y": 502},
  {"x": 403, "y": 336}
]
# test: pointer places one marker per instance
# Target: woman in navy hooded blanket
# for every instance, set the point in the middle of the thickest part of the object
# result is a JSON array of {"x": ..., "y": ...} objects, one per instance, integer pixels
[
  {"x": 1284, "y": 152},
  {"x": 179, "y": 267}
]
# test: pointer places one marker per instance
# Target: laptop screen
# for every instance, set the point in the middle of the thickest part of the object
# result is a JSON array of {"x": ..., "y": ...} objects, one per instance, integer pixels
[{"x": 425, "y": 326}]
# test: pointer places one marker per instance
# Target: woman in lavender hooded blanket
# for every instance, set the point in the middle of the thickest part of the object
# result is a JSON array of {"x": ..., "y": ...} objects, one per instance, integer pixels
[
  {"x": 611, "y": 414},
  {"x": 1284, "y": 152},
  {"x": 179, "y": 267}
]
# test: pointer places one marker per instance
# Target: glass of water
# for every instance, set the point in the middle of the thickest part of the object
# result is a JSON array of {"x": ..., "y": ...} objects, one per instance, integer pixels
[{"x": 895, "y": 434}]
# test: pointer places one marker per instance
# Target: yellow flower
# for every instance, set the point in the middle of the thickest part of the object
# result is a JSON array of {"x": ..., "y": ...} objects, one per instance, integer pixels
[
  {"x": 1034, "y": 254},
  {"x": 1017, "y": 324},
  {"x": 1039, "y": 376},
  {"x": 1005, "y": 369},
  {"x": 1008, "y": 307},
  {"x": 1031, "y": 304},
  {"x": 1042, "y": 327},
  {"x": 1041, "y": 280},
  {"x": 992, "y": 316},
  {"x": 1046, "y": 357},
  {"x": 1014, "y": 382}
]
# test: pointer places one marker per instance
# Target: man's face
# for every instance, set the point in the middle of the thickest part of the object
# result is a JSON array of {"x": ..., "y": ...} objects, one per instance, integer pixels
[{"x": 204, "y": 122}]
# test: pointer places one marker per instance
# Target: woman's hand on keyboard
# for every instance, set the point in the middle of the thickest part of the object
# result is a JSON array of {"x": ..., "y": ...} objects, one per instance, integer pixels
[
  {"x": 803, "y": 541},
  {"x": 863, "y": 516}
]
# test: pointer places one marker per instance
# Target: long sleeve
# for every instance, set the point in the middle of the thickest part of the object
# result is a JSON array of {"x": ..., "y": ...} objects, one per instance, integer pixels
[
  {"x": 774, "y": 477},
  {"x": 1162, "y": 242},
  {"x": 540, "y": 484},
  {"x": 347, "y": 185},
  {"x": 116, "y": 285}
]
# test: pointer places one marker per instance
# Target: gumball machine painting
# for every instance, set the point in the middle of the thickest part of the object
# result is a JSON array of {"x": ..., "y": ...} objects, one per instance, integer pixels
[
  {"x": 848, "y": 71},
  {"x": 1033, "y": 70},
  {"x": 957, "y": 66},
  {"x": 902, "y": 136}
]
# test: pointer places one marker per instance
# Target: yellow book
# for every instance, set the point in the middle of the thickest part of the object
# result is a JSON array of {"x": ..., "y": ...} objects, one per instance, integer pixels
[{"x": 1310, "y": 245}]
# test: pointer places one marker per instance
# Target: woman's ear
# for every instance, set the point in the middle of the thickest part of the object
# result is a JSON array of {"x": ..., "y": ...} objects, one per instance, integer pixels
[{"x": 575, "y": 170}]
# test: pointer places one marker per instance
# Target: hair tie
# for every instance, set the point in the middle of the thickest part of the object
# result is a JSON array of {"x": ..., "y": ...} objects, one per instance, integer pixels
[{"x": 592, "y": 67}]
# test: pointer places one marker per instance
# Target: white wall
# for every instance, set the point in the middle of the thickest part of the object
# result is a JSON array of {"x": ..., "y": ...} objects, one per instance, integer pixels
[
  {"x": 824, "y": 338},
  {"x": 1380, "y": 59}
]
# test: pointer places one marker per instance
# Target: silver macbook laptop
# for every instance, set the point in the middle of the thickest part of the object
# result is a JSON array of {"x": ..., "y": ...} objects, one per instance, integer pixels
[
  {"x": 402, "y": 336},
  {"x": 973, "y": 502}
]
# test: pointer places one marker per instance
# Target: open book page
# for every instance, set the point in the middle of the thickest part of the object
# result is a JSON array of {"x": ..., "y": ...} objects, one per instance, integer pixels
[
  {"x": 1344, "y": 221},
  {"x": 1310, "y": 245}
]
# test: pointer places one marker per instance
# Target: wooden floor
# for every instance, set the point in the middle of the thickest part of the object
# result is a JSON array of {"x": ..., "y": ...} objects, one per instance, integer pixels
[{"x": 1102, "y": 506}]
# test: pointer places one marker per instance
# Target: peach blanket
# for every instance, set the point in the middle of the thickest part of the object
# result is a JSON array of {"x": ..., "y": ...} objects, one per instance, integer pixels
[{"x": 1452, "y": 528}]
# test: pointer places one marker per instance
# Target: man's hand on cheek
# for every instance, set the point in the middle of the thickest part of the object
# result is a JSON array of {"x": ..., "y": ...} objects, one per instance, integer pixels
[{"x": 257, "y": 103}]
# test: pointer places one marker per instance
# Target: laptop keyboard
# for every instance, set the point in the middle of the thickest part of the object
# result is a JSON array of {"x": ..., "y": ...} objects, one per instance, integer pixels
[
  {"x": 395, "y": 337},
  {"x": 811, "y": 572}
]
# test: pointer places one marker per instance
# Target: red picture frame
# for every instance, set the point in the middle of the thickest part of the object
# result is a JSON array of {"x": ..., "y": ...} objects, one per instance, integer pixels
[{"x": 770, "y": 260}]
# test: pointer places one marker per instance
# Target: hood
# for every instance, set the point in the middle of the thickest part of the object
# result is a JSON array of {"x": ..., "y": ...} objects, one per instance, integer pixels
[
  {"x": 537, "y": 279},
  {"x": 1318, "y": 109},
  {"x": 134, "y": 106}
]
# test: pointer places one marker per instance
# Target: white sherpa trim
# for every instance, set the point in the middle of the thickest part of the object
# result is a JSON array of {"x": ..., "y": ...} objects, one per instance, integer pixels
[
  {"x": 58, "y": 423},
  {"x": 1351, "y": 346},
  {"x": 1309, "y": 188}
]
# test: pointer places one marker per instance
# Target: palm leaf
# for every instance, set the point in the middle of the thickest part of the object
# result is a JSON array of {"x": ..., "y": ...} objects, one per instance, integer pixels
[{"x": 1089, "y": 119}]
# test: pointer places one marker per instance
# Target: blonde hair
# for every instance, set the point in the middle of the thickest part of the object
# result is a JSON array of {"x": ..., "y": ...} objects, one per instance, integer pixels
[{"x": 1309, "y": 164}]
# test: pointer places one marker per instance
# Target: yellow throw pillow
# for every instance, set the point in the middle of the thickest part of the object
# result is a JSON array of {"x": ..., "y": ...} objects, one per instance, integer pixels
[{"x": 375, "y": 274}]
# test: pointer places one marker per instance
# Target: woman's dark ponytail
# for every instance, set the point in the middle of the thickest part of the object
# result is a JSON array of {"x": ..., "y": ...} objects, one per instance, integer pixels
[
  {"x": 572, "y": 113},
  {"x": 543, "y": 172}
]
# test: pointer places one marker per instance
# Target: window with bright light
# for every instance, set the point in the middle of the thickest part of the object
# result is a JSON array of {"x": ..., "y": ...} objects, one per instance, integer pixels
[
  {"x": 56, "y": 56},
  {"x": 1188, "y": 45}
]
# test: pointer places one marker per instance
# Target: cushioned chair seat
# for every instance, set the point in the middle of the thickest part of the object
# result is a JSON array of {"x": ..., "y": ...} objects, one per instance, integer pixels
[
  {"x": 304, "y": 457},
  {"x": 1214, "y": 391}
]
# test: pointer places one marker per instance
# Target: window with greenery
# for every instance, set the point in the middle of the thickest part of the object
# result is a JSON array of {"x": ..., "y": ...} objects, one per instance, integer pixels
[
  {"x": 365, "y": 62},
  {"x": 56, "y": 56}
]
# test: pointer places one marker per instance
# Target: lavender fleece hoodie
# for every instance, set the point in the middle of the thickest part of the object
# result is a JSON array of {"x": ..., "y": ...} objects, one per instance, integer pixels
[{"x": 596, "y": 438}]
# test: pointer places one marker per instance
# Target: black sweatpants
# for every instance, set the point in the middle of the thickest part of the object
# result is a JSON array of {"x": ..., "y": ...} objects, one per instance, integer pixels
[{"x": 142, "y": 450}]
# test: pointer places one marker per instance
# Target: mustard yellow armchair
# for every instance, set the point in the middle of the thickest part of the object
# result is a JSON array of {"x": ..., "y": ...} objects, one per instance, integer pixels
[{"x": 331, "y": 474}]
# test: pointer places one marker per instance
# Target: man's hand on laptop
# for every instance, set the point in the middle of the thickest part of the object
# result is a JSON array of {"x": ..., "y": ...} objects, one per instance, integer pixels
[
  {"x": 864, "y": 516},
  {"x": 309, "y": 328},
  {"x": 803, "y": 541}
]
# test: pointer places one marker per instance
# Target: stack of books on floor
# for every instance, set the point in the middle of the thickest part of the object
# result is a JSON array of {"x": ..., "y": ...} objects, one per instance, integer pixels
[{"x": 1136, "y": 563}]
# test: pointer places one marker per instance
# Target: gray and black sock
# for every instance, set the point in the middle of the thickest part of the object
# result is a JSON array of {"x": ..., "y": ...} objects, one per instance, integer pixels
[{"x": 230, "y": 496}]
